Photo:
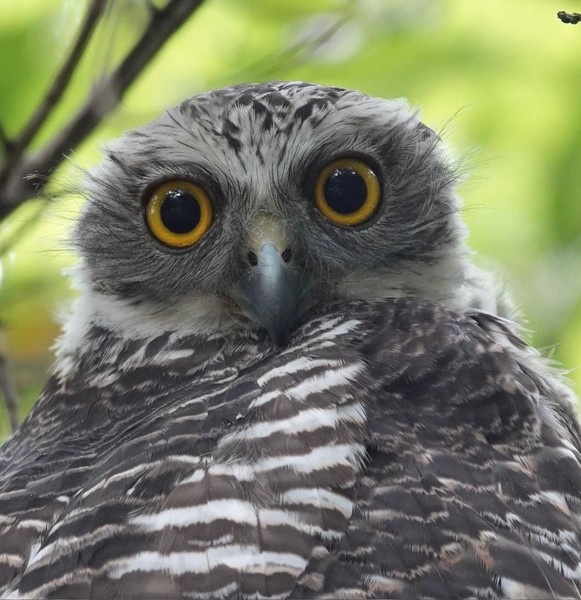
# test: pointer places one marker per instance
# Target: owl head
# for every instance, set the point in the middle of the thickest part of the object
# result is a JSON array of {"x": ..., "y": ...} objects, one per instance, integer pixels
[{"x": 243, "y": 208}]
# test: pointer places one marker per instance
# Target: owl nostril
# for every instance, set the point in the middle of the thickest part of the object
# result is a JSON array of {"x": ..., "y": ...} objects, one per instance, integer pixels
[{"x": 252, "y": 257}]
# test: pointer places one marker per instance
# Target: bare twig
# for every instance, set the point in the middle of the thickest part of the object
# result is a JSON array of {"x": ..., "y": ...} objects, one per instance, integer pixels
[
  {"x": 30, "y": 172},
  {"x": 7, "y": 390},
  {"x": 61, "y": 81},
  {"x": 6, "y": 143},
  {"x": 572, "y": 18}
]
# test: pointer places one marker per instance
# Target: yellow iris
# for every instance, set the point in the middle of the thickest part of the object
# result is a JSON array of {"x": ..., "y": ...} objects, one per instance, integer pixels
[
  {"x": 347, "y": 192},
  {"x": 179, "y": 213}
]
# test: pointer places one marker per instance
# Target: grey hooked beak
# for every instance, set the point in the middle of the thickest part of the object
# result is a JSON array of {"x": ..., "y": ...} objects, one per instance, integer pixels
[{"x": 273, "y": 292}]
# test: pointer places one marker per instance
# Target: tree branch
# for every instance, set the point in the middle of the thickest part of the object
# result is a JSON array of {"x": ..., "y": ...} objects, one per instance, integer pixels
[
  {"x": 25, "y": 177},
  {"x": 4, "y": 141},
  {"x": 62, "y": 79},
  {"x": 572, "y": 18}
]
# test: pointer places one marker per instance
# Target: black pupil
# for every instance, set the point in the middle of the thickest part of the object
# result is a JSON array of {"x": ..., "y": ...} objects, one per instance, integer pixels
[
  {"x": 180, "y": 211},
  {"x": 345, "y": 191}
]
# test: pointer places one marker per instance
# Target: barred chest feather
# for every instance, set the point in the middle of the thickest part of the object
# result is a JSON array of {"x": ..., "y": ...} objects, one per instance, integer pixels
[{"x": 394, "y": 449}]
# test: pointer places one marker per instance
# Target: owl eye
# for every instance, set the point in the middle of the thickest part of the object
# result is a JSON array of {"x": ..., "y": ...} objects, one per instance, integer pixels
[
  {"x": 178, "y": 213},
  {"x": 347, "y": 192}
]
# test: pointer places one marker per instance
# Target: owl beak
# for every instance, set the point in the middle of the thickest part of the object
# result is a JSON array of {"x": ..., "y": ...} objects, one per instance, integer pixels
[{"x": 273, "y": 292}]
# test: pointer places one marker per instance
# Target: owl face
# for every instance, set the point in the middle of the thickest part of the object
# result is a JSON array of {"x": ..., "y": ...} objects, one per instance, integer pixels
[{"x": 258, "y": 202}]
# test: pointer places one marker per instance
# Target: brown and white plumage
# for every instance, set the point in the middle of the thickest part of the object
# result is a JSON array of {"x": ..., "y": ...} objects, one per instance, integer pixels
[{"x": 401, "y": 443}]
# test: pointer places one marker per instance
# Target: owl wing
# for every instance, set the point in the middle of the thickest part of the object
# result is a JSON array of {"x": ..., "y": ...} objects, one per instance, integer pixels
[
  {"x": 393, "y": 449},
  {"x": 184, "y": 468},
  {"x": 472, "y": 484}
]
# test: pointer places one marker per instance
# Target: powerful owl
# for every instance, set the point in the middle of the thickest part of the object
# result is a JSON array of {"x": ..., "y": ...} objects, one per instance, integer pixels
[{"x": 284, "y": 378}]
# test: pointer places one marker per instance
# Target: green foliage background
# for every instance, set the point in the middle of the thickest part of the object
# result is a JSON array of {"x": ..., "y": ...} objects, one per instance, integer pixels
[{"x": 501, "y": 79}]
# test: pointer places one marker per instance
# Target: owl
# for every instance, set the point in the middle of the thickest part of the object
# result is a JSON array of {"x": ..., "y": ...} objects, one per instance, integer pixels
[{"x": 283, "y": 377}]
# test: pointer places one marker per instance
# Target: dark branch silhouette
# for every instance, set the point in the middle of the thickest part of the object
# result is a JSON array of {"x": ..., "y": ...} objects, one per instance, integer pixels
[
  {"x": 61, "y": 81},
  {"x": 22, "y": 175}
]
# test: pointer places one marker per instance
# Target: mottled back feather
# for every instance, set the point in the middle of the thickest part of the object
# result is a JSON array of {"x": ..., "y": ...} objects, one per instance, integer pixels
[{"x": 395, "y": 449}]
